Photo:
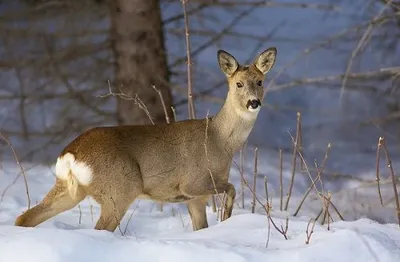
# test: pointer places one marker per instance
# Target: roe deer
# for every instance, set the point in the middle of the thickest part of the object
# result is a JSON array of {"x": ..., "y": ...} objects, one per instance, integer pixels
[{"x": 166, "y": 162}]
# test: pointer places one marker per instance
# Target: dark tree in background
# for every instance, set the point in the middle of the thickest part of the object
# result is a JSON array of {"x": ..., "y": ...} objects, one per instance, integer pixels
[
  {"x": 59, "y": 58},
  {"x": 140, "y": 59}
]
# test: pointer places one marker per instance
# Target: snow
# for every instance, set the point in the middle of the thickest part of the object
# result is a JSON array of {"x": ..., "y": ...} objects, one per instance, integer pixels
[
  {"x": 241, "y": 238},
  {"x": 147, "y": 234}
]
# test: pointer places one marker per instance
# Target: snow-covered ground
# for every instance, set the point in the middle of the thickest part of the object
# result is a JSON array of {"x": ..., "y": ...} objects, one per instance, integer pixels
[
  {"x": 147, "y": 234},
  {"x": 241, "y": 238}
]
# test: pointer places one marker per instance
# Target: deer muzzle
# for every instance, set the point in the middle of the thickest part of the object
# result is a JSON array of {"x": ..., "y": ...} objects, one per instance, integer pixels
[{"x": 253, "y": 104}]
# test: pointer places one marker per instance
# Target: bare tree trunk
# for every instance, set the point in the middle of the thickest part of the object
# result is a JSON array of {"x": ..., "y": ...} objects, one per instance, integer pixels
[{"x": 140, "y": 59}]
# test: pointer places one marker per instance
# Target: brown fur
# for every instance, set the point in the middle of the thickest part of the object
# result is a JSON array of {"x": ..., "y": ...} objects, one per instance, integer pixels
[{"x": 167, "y": 162}]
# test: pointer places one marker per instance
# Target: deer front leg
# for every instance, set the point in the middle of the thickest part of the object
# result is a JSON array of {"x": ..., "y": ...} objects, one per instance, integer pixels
[
  {"x": 195, "y": 190},
  {"x": 230, "y": 199},
  {"x": 197, "y": 212}
]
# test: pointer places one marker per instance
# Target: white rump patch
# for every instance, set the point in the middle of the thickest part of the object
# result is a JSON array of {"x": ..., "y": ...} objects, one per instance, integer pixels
[{"x": 67, "y": 165}]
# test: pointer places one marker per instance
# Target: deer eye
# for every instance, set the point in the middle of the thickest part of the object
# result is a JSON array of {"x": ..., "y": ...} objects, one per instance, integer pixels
[
  {"x": 239, "y": 85},
  {"x": 259, "y": 83}
]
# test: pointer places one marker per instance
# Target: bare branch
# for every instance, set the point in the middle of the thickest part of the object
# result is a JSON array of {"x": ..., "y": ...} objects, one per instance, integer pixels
[
  {"x": 163, "y": 104},
  {"x": 253, "y": 203},
  {"x": 281, "y": 178},
  {"x": 310, "y": 232},
  {"x": 191, "y": 110},
  {"x": 318, "y": 176},
  {"x": 360, "y": 44},
  {"x": 217, "y": 37},
  {"x": 20, "y": 167},
  {"x": 393, "y": 176},
  {"x": 182, "y": 15},
  {"x": 241, "y": 170},
  {"x": 382, "y": 73},
  {"x": 325, "y": 7},
  {"x": 334, "y": 207},
  {"x": 378, "y": 151},
  {"x": 124, "y": 96},
  {"x": 294, "y": 162}
]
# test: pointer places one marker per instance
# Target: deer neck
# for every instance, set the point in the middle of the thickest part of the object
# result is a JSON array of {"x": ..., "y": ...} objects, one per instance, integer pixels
[{"x": 232, "y": 126}]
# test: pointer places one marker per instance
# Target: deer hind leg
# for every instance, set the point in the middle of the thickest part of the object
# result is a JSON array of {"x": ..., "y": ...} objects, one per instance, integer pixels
[
  {"x": 112, "y": 212},
  {"x": 115, "y": 198},
  {"x": 197, "y": 212},
  {"x": 194, "y": 190},
  {"x": 114, "y": 202},
  {"x": 57, "y": 200}
]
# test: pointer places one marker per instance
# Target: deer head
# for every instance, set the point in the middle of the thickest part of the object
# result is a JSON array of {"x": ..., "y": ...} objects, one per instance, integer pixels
[{"x": 246, "y": 82}]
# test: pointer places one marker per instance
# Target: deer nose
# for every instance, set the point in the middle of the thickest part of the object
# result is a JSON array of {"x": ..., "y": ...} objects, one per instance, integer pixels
[{"x": 255, "y": 103}]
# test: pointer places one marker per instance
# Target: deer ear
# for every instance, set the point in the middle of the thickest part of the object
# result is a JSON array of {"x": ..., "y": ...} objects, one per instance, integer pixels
[
  {"x": 266, "y": 60},
  {"x": 227, "y": 62}
]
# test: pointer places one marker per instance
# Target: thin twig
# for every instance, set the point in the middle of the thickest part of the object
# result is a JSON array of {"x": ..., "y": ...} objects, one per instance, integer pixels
[
  {"x": 300, "y": 142},
  {"x": 80, "y": 215},
  {"x": 327, "y": 209},
  {"x": 20, "y": 167},
  {"x": 242, "y": 177},
  {"x": 281, "y": 178},
  {"x": 325, "y": 212},
  {"x": 268, "y": 233},
  {"x": 360, "y": 44},
  {"x": 318, "y": 177},
  {"x": 253, "y": 203},
  {"x": 173, "y": 113},
  {"x": 223, "y": 204},
  {"x": 285, "y": 230},
  {"x": 8, "y": 187},
  {"x": 124, "y": 96},
  {"x": 378, "y": 151},
  {"x": 282, "y": 231},
  {"x": 333, "y": 206},
  {"x": 213, "y": 204},
  {"x": 191, "y": 109},
  {"x": 269, "y": 205},
  {"x": 234, "y": 21},
  {"x": 142, "y": 106},
  {"x": 310, "y": 232},
  {"x": 320, "y": 195},
  {"x": 129, "y": 220},
  {"x": 319, "y": 214},
  {"x": 167, "y": 119},
  {"x": 390, "y": 167},
  {"x": 173, "y": 18},
  {"x": 293, "y": 4},
  {"x": 380, "y": 73},
  {"x": 267, "y": 211},
  {"x": 295, "y": 149},
  {"x": 309, "y": 50},
  {"x": 91, "y": 210}
]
